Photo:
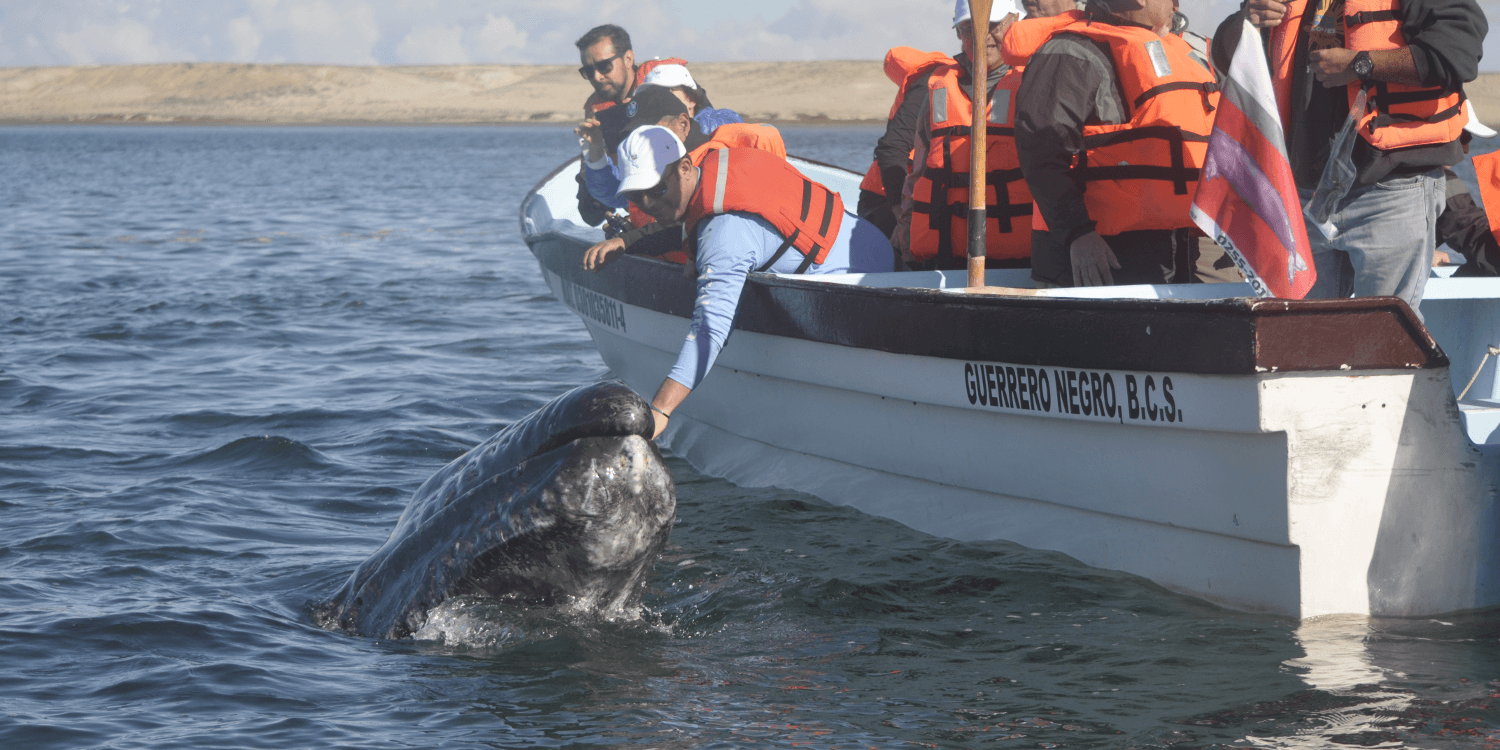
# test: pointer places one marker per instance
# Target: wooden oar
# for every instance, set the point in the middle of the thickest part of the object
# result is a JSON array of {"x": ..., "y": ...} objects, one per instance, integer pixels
[{"x": 979, "y": 20}]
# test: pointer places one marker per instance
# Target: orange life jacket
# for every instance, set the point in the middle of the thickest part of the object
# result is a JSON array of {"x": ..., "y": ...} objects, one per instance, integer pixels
[
  {"x": 728, "y": 135},
  {"x": 902, "y": 64},
  {"x": 1487, "y": 170},
  {"x": 807, "y": 214},
  {"x": 594, "y": 104},
  {"x": 1026, "y": 36},
  {"x": 940, "y": 199},
  {"x": 1398, "y": 115},
  {"x": 1141, "y": 174}
]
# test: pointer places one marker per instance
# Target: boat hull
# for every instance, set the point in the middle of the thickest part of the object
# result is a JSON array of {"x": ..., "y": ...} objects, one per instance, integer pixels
[{"x": 1296, "y": 458}]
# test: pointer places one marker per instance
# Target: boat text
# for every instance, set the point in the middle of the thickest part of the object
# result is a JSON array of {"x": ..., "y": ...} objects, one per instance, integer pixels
[
  {"x": 593, "y": 305},
  {"x": 1121, "y": 396}
]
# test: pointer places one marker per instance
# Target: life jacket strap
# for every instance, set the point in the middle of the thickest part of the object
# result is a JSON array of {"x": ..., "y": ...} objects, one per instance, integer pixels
[
  {"x": 965, "y": 131},
  {"x": 1369, "y": 16},
  {"x": 780, "y": 251},
  {"x": 1177, "y": 173},
  {"x": 1204, "y": 88},
  {"x": 1385, "y": 99}
]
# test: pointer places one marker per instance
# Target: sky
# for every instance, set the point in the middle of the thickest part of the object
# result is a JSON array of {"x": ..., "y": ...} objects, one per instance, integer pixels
[{"x": 423, "y": 32}]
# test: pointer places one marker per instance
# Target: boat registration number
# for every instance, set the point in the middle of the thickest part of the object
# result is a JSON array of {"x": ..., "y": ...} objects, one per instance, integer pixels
[{"x": 1127, "y": 397}]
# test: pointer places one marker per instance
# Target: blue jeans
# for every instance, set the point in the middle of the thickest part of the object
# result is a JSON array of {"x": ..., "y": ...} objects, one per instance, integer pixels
[{"x": 1387, "y": 235}]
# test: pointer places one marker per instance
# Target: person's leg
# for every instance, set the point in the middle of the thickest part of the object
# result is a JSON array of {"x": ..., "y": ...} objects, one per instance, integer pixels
[
  {"x": 1146, "y": 257},
  {"x": 1389, "y": 231},
  {"x": 874, "y": 209},
  {"x": 1335, "y": 274}
]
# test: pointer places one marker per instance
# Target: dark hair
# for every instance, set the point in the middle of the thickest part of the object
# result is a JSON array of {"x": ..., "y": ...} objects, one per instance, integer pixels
[{"x": 613, "y": 33}]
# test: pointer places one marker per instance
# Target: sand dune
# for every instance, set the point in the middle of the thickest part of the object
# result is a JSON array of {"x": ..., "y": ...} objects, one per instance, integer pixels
[
  {"x": 825, "y": 91},
  {"x": 309, "y": 94}
]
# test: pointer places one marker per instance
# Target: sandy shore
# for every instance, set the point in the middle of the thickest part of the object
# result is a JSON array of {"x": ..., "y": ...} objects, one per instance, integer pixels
[
  {"x": 318, "y": 94},
  {"x": 811, "y": 92}
]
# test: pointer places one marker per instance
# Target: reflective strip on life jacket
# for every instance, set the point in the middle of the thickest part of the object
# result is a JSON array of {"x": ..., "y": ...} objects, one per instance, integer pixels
[
  {"x": 807, "y": 214},
  {"x": 940, "y": 209}
]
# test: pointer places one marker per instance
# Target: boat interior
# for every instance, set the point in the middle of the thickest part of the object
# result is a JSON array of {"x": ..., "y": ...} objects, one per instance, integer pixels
[{"x": 1463, "y": 314}]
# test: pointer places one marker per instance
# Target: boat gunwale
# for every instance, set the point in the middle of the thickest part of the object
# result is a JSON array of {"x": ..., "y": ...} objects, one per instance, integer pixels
[{"x": 1234, "y": 335}]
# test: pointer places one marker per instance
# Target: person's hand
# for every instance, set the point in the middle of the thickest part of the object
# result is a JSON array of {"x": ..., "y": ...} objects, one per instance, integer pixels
[
  {"x": 602, "y": 253},
  {"x": 1264, "y": 14},
  {"x": 589, "y": 132},
  {"x": 661, "y": 423},
  {"x": 1331, "y": 66},
  {"x": 1441, "y": 258},
  {"x": 901, "y": 237},
  {"x": 1092, "y": 259}
]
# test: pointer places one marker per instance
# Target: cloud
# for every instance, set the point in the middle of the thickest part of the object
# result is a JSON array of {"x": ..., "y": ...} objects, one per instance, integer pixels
[
  {"x": 244, "y": 38},
  {"x": 128, "y": 42},
  {"x": 356, "y": 32},
  {"x": 433, "y": 45},
  {"x": 498, "y": 39}
]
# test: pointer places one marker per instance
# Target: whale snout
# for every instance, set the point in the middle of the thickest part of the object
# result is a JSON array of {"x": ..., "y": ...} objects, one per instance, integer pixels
[{"x": 571, "y": 505}]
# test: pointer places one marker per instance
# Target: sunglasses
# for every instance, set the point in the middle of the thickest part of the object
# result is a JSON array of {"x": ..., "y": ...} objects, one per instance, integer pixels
[
  {"x": 602, "y": 67},
  {"x": 655, "y": 193}
]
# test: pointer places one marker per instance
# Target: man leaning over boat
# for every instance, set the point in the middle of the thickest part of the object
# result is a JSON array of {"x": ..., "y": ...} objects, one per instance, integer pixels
[
  {"x": 660, "y": 106},
  {"x": 741, "y": 210}
]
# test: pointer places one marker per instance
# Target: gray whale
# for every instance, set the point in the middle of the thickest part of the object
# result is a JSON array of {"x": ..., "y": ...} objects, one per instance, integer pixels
[{"x": 570, "y": 506}]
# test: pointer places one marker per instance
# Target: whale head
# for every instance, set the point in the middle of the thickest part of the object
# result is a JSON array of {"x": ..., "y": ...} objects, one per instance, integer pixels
[{"x": 568, "y": 507}]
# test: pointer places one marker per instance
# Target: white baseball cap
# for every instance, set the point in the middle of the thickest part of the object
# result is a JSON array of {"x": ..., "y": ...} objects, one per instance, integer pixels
[
  {"x": 998, "y": 11},
  {"x": 670, "y": 75},
  {"x": 1474, "y": 126},
  {"x": 645, "y": 154}
]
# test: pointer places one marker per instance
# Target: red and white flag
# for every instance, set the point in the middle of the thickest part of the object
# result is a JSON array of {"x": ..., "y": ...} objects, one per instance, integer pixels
[{"x": 1247, "y": 200}]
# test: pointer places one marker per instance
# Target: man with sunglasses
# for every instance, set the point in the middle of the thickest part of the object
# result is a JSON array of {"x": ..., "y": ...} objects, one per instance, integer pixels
[
  {"x": 655, "y": 105},
  {"x": 742, "y": 210},
  {"x": 609, "y": 66}
]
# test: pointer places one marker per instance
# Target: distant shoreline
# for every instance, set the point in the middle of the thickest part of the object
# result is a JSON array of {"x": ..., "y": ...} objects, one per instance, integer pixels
[
  {"x": 825, "y": 92},
  {"x": 840, "y": 92}
]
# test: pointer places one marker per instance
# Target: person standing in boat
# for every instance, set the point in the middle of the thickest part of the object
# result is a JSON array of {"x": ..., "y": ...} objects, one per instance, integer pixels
[
  {"x": 1412, "y": 57},
  {"x": 609, "y": 66},
  {"x": 932, "y": 227},
  {"x": 741, "y": 210},
  {"x": 654, "y": 105},
  {"x": 880, "y": 191},
  {"x": 1112, "y": 123}
]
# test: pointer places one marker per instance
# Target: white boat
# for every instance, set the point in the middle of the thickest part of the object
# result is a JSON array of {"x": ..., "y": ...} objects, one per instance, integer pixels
[{"x": 1304, "y": 458}]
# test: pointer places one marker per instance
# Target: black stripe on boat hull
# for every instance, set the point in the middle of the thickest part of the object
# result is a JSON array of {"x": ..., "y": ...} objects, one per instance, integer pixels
[{"x": 1233, "y": 336}]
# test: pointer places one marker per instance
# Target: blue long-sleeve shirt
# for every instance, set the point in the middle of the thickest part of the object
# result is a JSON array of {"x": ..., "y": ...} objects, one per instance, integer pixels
[
  {"x": 602, "y": 179},
  {"x": 732, "y": 245}
]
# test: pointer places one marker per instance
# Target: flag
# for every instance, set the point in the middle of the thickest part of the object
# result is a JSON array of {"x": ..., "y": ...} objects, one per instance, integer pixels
[{"x": 1247, "y": 200}]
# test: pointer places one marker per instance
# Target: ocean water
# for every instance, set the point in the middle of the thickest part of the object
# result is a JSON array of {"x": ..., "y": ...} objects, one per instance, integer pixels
[{"x": 229, "y": 355}]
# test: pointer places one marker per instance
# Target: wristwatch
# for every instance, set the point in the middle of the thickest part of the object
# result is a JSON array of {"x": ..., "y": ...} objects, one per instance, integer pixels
[{"x": 1362, "y": 66}]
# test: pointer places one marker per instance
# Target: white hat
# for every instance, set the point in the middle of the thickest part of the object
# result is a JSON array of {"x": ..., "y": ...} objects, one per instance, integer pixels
[
  {"x": 670, "y": 75},
  {"x": 645, "y": 154},
  {"x": 998, "y": 11},
  {"x": 1474, "y": 126}
]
